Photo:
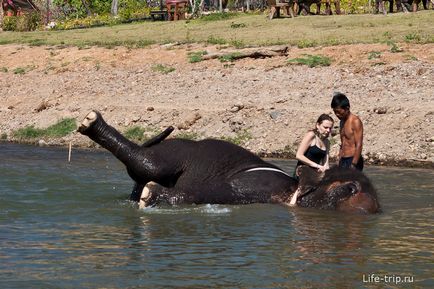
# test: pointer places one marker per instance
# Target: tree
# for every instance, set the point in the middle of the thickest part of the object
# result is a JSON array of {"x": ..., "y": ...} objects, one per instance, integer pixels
[{"x": 114, "y": 9}]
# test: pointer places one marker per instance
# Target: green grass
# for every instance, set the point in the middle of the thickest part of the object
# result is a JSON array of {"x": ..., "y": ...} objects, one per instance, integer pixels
[
  {"x": 162, "y": 69},
  {"x": 374, "y": 55},
  {"x": 135, "y": 133},
  {"x": 60, "y": 129},
  {"x": 229, "y": 57},
  {"x": 215, "y": 40},
  {"x": 258, "y": 31},
  {"x": 240, "y": 138},
  {"x": 311, "y": 60},
  {"x": 188, "y": 135},
  {"x": 19, "y": 70},
  {"x": 196, "y": 56},
  {"x": 394, "y": 48}
]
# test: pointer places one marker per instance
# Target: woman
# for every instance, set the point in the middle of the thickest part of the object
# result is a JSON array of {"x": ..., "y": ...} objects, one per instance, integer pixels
[{"x": 314, "y": 149}]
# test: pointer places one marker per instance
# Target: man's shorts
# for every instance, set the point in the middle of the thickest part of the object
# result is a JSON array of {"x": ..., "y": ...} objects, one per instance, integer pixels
[{"x": 346, "y": 163}]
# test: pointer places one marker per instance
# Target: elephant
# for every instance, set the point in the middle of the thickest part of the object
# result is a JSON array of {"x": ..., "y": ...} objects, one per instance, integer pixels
[{"x": 179, "y": 171}]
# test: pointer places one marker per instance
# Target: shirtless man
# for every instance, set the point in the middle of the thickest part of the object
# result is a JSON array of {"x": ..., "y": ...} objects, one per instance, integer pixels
[{"x": 351, "y": 131}]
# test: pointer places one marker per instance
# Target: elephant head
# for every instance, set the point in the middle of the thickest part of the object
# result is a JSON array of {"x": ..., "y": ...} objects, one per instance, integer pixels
[{"x": 346, "y": 190}]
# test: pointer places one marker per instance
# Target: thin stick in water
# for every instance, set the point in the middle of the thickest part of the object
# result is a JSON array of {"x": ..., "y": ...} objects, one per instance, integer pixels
[{"x": 69, "y": 152}]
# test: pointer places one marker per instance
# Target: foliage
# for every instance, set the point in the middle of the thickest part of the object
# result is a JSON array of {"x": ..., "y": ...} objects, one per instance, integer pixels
[
  {"x": 219, "y": 16},
  {"x": 135, "y": 133},
  {"x": 229, "y": 57},
  {"x": 238, "y": 43},
  {"x": 77, "y": 17},
  {"x": 26, "y": 22},
  {"x": 4, "y": 69},
  {"x": 237, "y": 25},
  {"x": 412, "y": 37},
  {"x": 240, "y": 138},
  {"x": 214, "y": 40},
  {"x": 188, "y": 135},
  {"x": 162, "y": 68},
  {"x": 304, "y": 43},
  {"x": 77, "y": 9},
  {"x": 133, "y": 9},
  {"x": 196, "y": 56},
  {"x": 393, "y": 47},
  {"x": 87, "y": 22},
  {"x": 4, "y": 136},
  {"x": 374, "y": 55},
  {"x": 19, "y": 70},
  {"x": 60, "y": 129},
  {"x": 411, "y": 57},
  {"x": 311, "y": 60}
]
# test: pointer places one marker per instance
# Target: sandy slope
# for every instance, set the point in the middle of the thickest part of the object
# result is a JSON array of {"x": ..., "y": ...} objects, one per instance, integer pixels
[{"x": 274, "y": 102}]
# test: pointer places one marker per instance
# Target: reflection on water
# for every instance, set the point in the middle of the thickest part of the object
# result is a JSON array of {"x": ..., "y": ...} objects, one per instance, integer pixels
[{"x": 69, "y": 226}]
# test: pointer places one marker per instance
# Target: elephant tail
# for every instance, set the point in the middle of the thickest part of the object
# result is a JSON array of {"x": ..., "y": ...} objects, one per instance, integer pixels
[{"x": 158, "y": 138}]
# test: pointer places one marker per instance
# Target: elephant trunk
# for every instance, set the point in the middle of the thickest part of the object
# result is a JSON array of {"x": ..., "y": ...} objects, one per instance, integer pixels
[{"x": 109, "y": 138}]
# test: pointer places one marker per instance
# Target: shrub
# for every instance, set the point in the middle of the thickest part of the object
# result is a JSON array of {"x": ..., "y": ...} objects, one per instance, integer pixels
[
  {"x": 188, "y": 135},
  {"x": 9, "y": 23},
  {"x": 60, "y": 129},
  {"x": 219, "y": 16},
  {"x": 26, "y": 22},
  {"x": 311, "y": 60},
  {"x": 162, "y": 68},
  {"x": 214, "y": 40},
  {"x": 196, "y": 56},
  {"x": 374, "y": 55},
  {"x": 135, "y": 133},
  {"x": 240, "y": 138},
  {"x": 229, "y": 57}
]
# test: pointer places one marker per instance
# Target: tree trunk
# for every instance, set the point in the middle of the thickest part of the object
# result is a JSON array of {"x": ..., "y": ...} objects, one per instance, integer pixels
[
  {"x": 114, "y": 9},
  {"x": 1, "y": 14}
]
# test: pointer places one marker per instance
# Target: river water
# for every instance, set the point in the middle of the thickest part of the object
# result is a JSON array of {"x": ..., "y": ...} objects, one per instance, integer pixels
[{"x": 68, "y": 225}]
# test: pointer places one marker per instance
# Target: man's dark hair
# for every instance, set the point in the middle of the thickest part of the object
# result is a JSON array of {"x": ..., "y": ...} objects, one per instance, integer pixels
[{"x": 340, "y": 100}]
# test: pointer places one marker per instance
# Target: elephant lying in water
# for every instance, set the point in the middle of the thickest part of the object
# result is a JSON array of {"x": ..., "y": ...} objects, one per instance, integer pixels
[{"x": 180, "y": 171}]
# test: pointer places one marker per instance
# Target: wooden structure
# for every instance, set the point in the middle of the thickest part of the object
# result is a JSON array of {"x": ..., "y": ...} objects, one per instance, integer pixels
[
  {"x": 276, "y": 5},
  {"x": 18, "y": 7},
  {"x": 176, "y": 9}
]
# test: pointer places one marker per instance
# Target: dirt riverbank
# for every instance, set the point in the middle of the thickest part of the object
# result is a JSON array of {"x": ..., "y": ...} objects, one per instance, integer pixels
[{"x": 266, "y": 104}]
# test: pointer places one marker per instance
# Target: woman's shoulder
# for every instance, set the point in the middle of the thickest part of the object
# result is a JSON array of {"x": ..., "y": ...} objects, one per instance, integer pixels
[{"x": 310, "y": 134}]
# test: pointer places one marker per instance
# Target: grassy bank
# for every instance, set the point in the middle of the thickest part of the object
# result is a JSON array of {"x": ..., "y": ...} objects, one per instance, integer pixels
[{"x": 246, "y": 30}]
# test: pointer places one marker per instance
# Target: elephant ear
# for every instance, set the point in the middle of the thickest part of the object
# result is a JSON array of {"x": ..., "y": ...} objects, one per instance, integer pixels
[{"x": 309, "y": 178}]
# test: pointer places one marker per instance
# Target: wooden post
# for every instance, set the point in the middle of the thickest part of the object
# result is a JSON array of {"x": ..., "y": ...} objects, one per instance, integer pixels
[{"x": 69, "y": 151}]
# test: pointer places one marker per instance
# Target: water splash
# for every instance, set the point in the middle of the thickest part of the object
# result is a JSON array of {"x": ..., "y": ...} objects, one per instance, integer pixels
[{"x": 207, "y": 209}]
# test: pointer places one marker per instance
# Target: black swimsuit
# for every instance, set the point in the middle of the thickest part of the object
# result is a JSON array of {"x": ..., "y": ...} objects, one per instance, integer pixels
[{"x": 315, "y": 154}]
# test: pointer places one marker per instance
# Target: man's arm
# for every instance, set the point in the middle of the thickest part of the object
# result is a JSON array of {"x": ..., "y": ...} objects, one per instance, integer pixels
[{"x": 358, "y": 139}]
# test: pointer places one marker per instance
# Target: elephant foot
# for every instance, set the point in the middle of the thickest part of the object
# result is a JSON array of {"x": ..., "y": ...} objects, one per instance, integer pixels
[
  {"x": 90, "y": 118},
  {"x": 146, "y": 196}
]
